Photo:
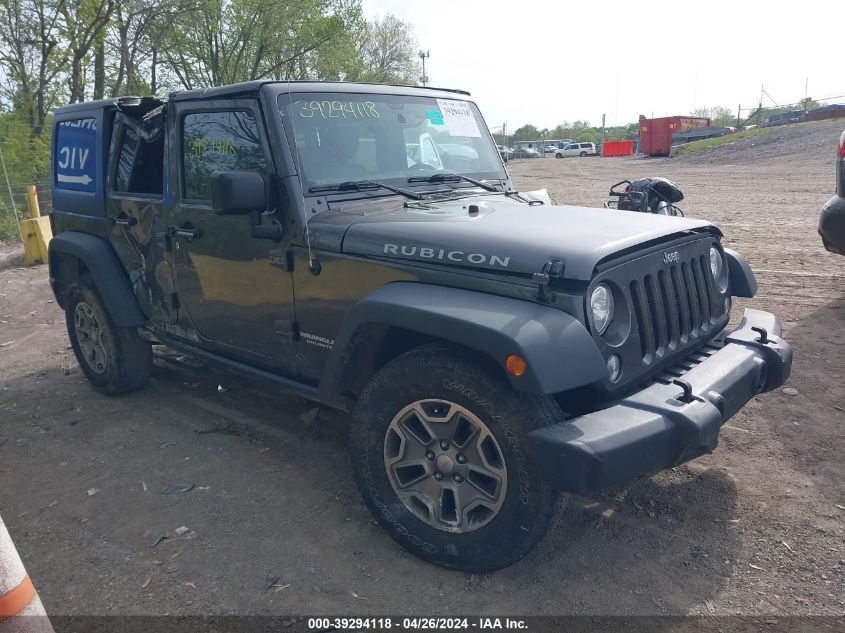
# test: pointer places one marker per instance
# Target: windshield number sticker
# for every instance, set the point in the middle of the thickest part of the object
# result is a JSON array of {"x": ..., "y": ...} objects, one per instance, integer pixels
[
  {"x": 458, "y": 118},
  {"x": 337, "y": 109}
]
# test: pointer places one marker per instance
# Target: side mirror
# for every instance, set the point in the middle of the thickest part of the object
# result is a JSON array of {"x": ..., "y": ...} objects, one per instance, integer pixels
[{"x": 237, "y": 192}]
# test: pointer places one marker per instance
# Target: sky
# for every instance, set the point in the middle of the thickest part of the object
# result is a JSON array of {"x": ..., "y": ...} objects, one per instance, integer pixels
[{"x": 546, "y": 62}]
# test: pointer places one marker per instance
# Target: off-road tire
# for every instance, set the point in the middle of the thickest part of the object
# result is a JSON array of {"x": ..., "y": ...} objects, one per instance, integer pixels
[
  {"x": 441, "y": 373},
  {"x": 128, "y": 359}
]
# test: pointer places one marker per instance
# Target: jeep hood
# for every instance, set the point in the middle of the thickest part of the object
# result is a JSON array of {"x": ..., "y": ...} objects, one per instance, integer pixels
[{"x": 506, "y": 235}]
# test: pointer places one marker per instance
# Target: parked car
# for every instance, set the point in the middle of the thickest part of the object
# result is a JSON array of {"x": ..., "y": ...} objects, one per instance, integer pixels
[
  {"x": 832, "y": 218},
  {"x": 525, "y": 152},
  {"x": 577, "y": 149},
  {"x": 548, "y": 149},
  {"x": 783, "y": 118},
  {"x": 505, "y": 152}
]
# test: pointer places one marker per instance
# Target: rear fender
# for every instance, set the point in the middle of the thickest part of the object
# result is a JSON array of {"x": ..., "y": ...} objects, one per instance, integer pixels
[{"x": 105, "y": 269}]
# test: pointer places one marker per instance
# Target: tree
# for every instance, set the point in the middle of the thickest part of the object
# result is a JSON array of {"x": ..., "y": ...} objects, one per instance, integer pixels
[
  {"x": 387, "y": 51},
  {"x": 527, "y": 132},
  {"x": 808, "y": 104},
  {"x": 84, "y": 24},
  {"x": 227, "y": 41},
  {"x": 32, "y": 57},
  {"x": 718, "y": 115}
]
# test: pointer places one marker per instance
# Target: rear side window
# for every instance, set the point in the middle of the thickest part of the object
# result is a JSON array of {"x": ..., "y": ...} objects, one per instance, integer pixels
[
  {"x": 75, "y": 159},
  {"x": 140, "y": 165},
  {"x": 218, "y": 141}
]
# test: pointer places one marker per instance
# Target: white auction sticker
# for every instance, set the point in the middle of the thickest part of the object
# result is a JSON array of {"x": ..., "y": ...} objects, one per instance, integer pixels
[{"x": 458, "y": 118}]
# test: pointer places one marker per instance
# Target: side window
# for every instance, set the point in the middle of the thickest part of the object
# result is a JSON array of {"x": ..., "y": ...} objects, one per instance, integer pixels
[
  {"x": 218, "y": 141},
  {"x": 140, "y": 165}
]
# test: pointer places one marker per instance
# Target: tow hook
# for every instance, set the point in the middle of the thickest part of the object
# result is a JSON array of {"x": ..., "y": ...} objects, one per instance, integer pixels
[{"x": 764, "y": 336}]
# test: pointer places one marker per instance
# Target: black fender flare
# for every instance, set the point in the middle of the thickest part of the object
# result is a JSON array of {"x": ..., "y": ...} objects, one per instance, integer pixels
[
  {"x": 106, "y": 270},
  {"x": 743, "y": 283},
  {"x": 560, "y": 354}
]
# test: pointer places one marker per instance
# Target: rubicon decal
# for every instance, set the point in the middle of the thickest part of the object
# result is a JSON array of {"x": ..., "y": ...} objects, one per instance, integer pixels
[{"x": 446, "y": 255}]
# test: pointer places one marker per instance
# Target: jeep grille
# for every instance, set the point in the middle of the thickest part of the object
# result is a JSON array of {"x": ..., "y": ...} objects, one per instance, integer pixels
[
  {"x": 674, "y": 306},
  {"x": 673, "y": 309}
]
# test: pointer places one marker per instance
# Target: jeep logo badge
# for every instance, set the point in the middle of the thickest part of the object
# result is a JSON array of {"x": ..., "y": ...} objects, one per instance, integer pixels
[{"x": 671, "y": 257}]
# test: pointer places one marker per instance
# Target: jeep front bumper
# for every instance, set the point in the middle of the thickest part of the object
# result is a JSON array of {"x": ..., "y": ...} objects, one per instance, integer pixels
[{"x": 665, "y": 425}]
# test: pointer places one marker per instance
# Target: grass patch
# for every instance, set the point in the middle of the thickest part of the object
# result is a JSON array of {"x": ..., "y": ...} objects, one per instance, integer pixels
[
  {"x": 697, "y": 146},
  {"x": 8, "y": 226}
]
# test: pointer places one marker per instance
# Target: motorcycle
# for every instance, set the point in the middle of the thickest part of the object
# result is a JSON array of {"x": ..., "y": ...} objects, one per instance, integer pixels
[{"x": 646, "y": 195}]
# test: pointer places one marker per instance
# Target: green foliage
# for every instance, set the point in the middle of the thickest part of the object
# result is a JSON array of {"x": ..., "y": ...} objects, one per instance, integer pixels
[
  {"x": 526, "y": 133},
  {"x": 580, "y": 131},
  {"x": 718, "y": 115},
  {"x": 27, "y": 162},
  {"x": 808, "y": 104},
  {"x": 54, "y": 52},
  {"x": 697, "y": 146}
]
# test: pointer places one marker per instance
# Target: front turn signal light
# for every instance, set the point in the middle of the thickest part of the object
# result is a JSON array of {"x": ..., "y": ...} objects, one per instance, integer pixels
[{"x": 515, "y": 365}]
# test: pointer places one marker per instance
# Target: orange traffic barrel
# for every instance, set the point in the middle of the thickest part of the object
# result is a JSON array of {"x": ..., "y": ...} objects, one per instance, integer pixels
[{"x": 21, "y": 610}]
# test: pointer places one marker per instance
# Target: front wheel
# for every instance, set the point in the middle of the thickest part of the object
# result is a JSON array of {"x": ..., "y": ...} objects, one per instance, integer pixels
[
  {"x": 583, "y": 154},
  {"x": 558, "y": 155},
  {"x": 441, "y": 457}
]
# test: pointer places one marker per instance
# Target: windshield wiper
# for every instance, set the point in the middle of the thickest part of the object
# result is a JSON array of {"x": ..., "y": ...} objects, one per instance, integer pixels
[
  {"x": 453, "y": 178},
  {"x": 362, "y": 185}
]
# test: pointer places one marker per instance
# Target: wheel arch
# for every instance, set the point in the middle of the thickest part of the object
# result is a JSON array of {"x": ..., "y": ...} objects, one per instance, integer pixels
[
  {"x": 72, "y": 254},
  {"x": 558, "y": 350},
  {"x": 742, "y": 280}
]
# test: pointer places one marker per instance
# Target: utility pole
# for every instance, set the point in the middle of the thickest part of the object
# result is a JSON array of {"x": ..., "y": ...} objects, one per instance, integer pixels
[
  {"x": 738, "y": 114},
  {"x": 423, "y": 56},
  {"x": 602, "y": 130}
]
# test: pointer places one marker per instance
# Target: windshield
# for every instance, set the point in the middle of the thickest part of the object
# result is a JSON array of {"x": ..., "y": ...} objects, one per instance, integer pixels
[{"x": 343, "y": 137}]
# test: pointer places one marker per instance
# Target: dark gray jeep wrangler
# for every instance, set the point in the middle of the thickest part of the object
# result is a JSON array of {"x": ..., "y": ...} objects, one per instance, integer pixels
[{"x": 362, "y": 245}]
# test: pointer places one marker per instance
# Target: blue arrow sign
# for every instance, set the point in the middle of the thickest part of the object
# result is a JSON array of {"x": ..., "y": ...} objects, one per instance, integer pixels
[{"x": 75, "y": 161}]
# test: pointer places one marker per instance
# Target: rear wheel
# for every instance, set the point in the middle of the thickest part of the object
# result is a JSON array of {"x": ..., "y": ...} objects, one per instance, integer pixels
[
  {"x": 583, "y": 154},
  {"x": 440, "y": 454},
  {"x": 115, "y": 359}
]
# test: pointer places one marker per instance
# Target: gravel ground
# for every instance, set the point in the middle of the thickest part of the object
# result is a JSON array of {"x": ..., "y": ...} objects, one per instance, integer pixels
[{"x": 754, "y": 529}]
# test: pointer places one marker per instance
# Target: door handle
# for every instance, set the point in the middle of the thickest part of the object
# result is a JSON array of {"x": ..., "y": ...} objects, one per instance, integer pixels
[
  {"x": 124, "y": 220},
  {"x": 187, "y": 231}
]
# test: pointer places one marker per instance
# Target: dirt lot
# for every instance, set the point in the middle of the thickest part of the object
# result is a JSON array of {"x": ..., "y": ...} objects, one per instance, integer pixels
[{"x": 755, "y": 529}]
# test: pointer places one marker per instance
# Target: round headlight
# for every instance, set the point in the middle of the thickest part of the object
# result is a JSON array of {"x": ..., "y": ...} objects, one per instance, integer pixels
[
  {"x": 601, "y": 306},
  {"x": 715, "y": 262}
]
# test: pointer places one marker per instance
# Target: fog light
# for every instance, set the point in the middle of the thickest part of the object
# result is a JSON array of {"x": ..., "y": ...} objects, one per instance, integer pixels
[{"x": 614, "y": 367}]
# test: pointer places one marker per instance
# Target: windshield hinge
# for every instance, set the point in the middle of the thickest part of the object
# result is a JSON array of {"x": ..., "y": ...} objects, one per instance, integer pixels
[
  {"x": 282, "y": 259},
  {"x": 552, "y": 269}
]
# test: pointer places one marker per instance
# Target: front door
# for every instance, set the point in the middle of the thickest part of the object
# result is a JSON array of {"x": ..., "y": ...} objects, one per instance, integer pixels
[{"x": 234, "y": 294}]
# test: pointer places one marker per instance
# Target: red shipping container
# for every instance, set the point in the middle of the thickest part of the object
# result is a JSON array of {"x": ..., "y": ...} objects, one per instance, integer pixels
[
  {"x": 656, "y": 134},
  {"x": 617, "y": 148}
]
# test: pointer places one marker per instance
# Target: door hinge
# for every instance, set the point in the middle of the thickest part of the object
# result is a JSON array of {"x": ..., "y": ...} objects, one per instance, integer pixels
[
  {"x": 282, "y": 259},
  {"x": 287, "y": 328}
]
